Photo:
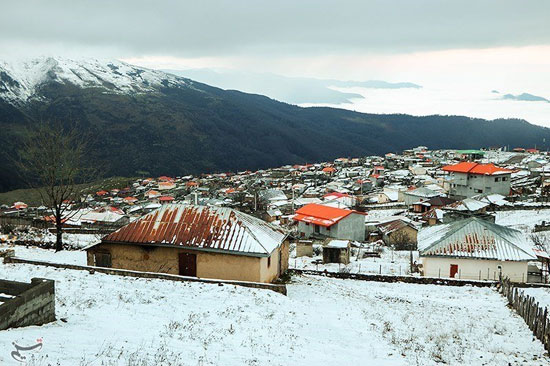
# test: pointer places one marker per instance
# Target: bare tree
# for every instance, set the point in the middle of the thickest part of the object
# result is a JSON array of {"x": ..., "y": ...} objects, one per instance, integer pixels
[
  {"x": 401, "y": 240},
  {"x": 51, "y": 162}
]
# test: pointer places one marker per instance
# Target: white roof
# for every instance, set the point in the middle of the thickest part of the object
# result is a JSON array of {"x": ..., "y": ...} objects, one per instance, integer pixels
[
  {"x": 336, "y": 243},
  {"x": 475, "y": 238}
]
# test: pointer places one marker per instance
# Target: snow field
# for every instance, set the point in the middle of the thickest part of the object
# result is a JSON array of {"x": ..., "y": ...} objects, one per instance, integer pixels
[{"x": 113, "y": 320}]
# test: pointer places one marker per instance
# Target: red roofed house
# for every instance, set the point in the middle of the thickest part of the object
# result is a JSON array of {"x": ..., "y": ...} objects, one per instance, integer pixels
[
  {"x": 166, "y": 199},
  {"x": 315, "y": 219},
  {"x": 20, "y": 205},
  {"x": 469, "y": 179}
]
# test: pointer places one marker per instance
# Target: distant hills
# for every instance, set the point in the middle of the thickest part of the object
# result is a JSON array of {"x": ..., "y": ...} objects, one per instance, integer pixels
[
  {"x": 526, "y": 97},
  {"x": 146, "y": 122},
  {"x": 287, "y": 89}
]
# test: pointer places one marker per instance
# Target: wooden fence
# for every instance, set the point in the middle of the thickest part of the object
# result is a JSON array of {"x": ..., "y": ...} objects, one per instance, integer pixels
[{"x": 535, "y": 316}]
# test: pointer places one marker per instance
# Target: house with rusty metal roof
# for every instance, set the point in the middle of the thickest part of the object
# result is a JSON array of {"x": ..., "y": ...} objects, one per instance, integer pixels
[
  {"x": 474, "y": 249},
  {"x": 325, "y": 221},
  {"x": 198, "y": 241}
]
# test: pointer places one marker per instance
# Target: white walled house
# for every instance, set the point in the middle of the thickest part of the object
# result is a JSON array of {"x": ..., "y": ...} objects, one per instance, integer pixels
[
  {"x": 474, "y": 249},
  {"x": 468, "y": 179},
  {"x": 315, "y": 219}
]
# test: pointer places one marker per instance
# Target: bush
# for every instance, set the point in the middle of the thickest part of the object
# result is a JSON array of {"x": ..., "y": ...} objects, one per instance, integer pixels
[{"x": 7, "y": 229}]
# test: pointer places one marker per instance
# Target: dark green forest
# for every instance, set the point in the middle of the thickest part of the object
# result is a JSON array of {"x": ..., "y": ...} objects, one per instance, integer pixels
[{"x": 198, "y": 129}]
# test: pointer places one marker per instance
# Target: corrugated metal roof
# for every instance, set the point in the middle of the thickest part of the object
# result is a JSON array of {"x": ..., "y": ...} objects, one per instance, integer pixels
[
  {"x": 214, "y": 228},
  {"x": 476, "y": 168},
  {"x": 321, "y": 215},
  {"x": 475, "y": 238}
]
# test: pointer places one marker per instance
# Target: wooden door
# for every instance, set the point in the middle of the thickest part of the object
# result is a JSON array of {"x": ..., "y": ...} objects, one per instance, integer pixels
[
  {"x": 188, "y": 264},
  {"x": 454, "y": 270}
]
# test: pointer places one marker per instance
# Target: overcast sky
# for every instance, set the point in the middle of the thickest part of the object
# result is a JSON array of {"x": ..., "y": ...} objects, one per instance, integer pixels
[{"x": 498, "y": 43}]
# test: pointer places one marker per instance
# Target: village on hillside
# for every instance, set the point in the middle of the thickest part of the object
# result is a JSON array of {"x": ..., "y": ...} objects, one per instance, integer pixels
[{"x": 425, "y": 232}]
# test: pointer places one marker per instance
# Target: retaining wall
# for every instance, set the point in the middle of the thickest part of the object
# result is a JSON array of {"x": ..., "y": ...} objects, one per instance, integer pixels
[
  {"x": 33, "y": 304},
  {"x": 393, "y": 278}
]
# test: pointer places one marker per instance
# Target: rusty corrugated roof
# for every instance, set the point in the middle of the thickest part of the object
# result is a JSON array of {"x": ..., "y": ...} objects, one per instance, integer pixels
[
  {"x": 217, "y": 228},
  {"x": 475, "y": 238}
]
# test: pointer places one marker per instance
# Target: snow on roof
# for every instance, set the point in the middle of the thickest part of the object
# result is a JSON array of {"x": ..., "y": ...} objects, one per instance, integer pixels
[
  {"x": 468, "y": 204},
  {"x": 201, "y": 227},
  {"x": 337, "y": 243},
  {"x": 423, "y": 192},
  {"x": 392, "y": 195},
  {"x": 475, "y": 238}
]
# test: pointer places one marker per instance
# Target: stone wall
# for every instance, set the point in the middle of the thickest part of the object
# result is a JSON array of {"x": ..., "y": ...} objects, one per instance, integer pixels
[
  {"x": 33, "y": 304},
  {"x": 394, "y": 278}
]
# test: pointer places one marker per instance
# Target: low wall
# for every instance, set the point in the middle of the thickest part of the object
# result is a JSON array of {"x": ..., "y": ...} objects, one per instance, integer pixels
[
  {"x": 33, "y": 304},
  {"x": 123, "y": 272},
  {"x": 392, "y": 278}
]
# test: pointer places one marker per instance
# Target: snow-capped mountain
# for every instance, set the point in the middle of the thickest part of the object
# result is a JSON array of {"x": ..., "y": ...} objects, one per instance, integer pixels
[{"x": 20, "y": 80}]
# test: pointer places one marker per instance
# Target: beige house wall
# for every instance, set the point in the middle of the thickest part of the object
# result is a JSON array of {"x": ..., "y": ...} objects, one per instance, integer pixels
[
  {"x": 209, "y": 265},
  {"x": 474, "y": 269}
]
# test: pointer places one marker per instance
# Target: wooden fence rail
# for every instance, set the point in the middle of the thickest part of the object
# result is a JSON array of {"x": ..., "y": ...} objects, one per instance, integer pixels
[{"x": 535, "y": 316}]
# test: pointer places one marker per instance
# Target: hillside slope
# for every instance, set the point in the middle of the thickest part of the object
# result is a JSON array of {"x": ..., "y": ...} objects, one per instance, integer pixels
[{"x": 148, "y": 121}]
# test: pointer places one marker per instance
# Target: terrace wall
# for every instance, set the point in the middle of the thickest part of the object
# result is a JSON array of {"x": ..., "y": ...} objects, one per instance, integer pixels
[{"x": 33, "y": 304}]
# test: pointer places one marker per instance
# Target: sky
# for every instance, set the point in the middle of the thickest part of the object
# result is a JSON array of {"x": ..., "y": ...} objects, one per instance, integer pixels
[{"x": 467, "y": 47}]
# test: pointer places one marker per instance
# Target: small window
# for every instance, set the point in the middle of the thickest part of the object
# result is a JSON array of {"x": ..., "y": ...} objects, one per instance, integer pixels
[
  {"x": 479, "y": 190},
  {"x": 328, "y": 228},
  {"x": 496, "y": 179},
  {"x": 268, "y": 262},
  {"x": 103, "y": 259},
  {"x": 504, "y": 179}
]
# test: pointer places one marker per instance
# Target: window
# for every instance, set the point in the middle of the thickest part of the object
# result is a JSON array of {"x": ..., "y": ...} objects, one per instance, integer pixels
[
  {"x": 268, "y": 262},
  {"x": 328, "y": 228},
  {"x": 504, "y": 179},
  {"x": 496, "y": 179},
  {"x": 478, "y": 190},
  {"x": 103, "y": 259}
]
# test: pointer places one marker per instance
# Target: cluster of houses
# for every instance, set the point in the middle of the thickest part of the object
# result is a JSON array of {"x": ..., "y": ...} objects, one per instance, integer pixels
[{"x": 243, "y": 226}]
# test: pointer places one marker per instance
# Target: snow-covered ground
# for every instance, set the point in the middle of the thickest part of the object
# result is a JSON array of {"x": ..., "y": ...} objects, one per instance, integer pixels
[
  {"x": 113, "y": 75},
  {"x": 390, "y": 262},
  {"x": 76, "y": 241},
  {"x": 49, "y": 255},
  {"x": 542, "y": 295},
  {"x": 112, "y": 320},
  {"x": 523, "y": 220}
]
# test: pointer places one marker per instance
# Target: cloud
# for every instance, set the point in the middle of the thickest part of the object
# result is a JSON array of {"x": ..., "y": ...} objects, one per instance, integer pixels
[{"x": 237, "y": 28}]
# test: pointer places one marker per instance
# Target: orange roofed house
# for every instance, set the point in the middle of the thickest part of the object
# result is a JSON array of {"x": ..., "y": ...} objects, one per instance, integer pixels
[
  {"x": 198, "y": 241},
  {"x": 315, "y": 219},
  {"x": 468, "y": 179}
]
